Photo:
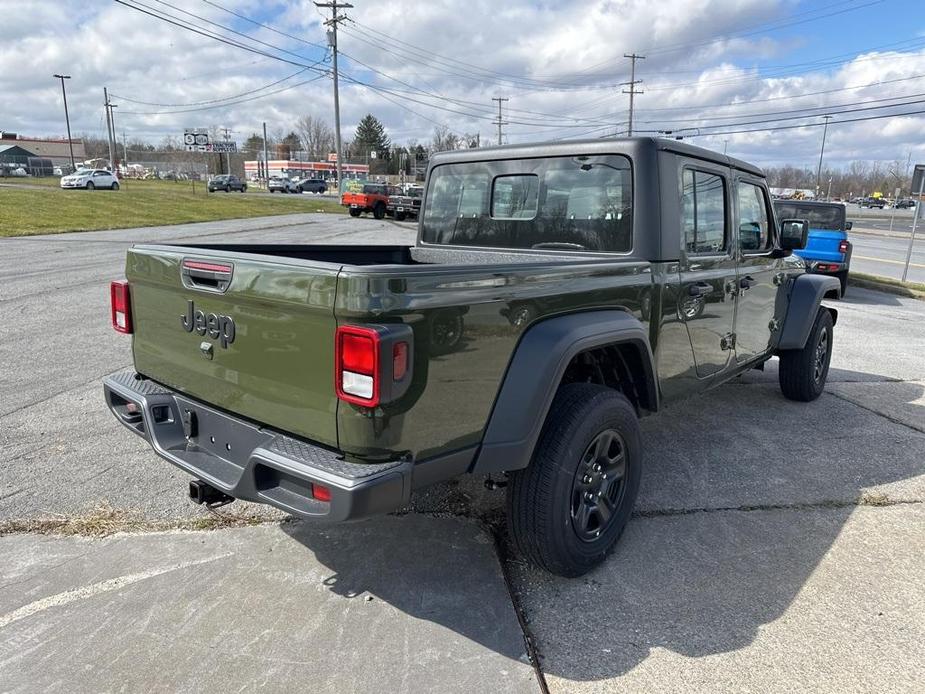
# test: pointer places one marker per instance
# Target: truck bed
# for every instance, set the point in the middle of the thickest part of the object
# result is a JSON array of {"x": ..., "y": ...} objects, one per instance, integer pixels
[{"x": 466, "y": 308}]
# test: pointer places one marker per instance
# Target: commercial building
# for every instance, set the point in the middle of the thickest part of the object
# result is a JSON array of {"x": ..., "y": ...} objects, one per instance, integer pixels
[
  {"x": 304, "y": 169},
  {"x": 57, "y": 150}
]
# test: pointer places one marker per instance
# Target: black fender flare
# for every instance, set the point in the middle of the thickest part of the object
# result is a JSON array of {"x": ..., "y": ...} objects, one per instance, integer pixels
[
  {"x": 806, "y": 294},
  {"x": 534, "y": 373}
]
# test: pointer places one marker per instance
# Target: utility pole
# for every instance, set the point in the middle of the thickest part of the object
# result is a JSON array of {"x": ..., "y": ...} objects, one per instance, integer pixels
[
  {"x": 115, "y": 142},
  {"x": 632, "y": 86},
  {"x": 334, "y": 6},
  {"x": 108, "y": 123},
  {"x": 825, "y": 129},
  {"x": 499, "y": 122},
  {"x": 266, "y": 162},
  {"x": 67, "y": 119}
]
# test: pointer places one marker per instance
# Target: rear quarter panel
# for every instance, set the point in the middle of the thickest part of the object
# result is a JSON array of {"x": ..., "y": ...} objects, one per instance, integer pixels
[{"x": 455, "y": 383}]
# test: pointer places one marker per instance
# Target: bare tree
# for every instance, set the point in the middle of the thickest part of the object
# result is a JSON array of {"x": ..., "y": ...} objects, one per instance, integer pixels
[
  {"x": 444, "y": 139},
  {"x": 316, "y": 136}
]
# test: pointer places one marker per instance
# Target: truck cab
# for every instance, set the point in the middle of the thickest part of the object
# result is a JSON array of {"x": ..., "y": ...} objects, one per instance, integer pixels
[{"x": 828, "y": 250}]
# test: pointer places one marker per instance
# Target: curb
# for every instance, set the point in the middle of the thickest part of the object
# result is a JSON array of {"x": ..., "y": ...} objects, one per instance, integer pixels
[{"x": 911, "y": 290}]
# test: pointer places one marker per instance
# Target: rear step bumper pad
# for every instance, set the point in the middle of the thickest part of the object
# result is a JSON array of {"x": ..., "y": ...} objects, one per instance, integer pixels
[{"x": 252, "y": 463}]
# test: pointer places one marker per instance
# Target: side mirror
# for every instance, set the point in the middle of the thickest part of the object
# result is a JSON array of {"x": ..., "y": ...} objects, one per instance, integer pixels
[
  {"x": 793, "y": 234},
  {"x": 848, "y": 226}
]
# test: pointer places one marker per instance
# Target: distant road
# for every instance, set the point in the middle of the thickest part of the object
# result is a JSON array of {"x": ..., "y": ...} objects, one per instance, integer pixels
[{"x": 886, "y": 256}]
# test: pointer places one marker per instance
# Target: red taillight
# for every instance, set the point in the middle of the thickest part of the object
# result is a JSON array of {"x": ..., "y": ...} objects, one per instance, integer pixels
[
  {"x": 399, "y": 360},
  {"x": 357, "y": 369},
  {"x": 843, "y": 247},
  {"x": 321, "y": 493},
  {"x": 121, "y": 307}
]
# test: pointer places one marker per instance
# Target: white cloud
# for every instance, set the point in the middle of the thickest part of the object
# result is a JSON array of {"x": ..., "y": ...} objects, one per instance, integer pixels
[{"x": 523, "y": 50}]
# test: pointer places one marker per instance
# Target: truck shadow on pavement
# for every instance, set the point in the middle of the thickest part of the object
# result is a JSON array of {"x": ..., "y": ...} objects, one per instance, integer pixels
[{"x": 744, "y": 494}]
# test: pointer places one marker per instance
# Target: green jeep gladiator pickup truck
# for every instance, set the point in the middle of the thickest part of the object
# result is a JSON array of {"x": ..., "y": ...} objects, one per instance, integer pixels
[{"x": 556, "y": 294}]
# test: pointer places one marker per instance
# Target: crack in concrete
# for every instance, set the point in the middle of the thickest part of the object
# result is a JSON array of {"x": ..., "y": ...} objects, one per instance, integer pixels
[
  {"x": 873, "y": 500},
  {"x": 878, "y": 413}
]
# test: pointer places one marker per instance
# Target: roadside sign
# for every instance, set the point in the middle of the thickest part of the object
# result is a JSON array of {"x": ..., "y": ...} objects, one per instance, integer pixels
[
  {"x": 918, "y": 185},
  {"x": 196, "y": 140},
  {"x": 917, "y": 175}
]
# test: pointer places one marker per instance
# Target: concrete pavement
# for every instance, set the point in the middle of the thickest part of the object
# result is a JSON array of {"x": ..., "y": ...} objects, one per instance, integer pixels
[
  {"x": 770, "y": 535},
  {"x": 409, "y": 604}
]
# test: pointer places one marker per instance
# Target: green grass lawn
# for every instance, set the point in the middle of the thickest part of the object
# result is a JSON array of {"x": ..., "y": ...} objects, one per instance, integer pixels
[{"x": 26, "y": 211}]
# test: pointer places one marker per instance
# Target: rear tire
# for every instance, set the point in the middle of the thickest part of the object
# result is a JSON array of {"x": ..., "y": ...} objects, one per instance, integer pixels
[
  {"x": 803, "y": 372},
  {"x": 354, "y": 212},
  {"x": 843, "y": 278},
  {"x": 567, "y": 510},
  {"x": 379, "y": 210}
]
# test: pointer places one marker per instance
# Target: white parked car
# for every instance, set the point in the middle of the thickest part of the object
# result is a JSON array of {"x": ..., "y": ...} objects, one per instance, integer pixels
[{"x": 90, "y": 179}]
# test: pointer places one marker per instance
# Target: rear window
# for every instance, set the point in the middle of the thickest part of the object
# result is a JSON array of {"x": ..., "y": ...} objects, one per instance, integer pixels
[
  {"x": 827, "y": 217},
  {"x": 570, "y": 203}
]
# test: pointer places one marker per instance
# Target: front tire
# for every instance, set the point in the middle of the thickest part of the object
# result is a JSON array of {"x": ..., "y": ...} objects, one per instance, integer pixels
[
  {"x": 379, "y": 210},
  {"x": 114, "y": 186},
  {"x": 90, "y": 185},
  {"x": 803, "y": 372},
  {"x": 400, "y": 216},
  {"x": 567, "y": 510}
]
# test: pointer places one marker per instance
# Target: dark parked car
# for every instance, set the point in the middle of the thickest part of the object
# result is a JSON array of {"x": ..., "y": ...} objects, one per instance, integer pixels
[
  {"x": 872, "y": 202},
  {"x": 228, "y": 183},
  {"x": 313, "y": 185},
  {"x": 407, "y": 204},
  {"x": 904, "y": 204}
]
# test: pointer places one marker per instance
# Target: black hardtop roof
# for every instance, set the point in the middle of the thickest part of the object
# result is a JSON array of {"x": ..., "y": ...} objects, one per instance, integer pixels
[
  {"x": 808, "y": 203},
  {"x": 632, "y": 146}
]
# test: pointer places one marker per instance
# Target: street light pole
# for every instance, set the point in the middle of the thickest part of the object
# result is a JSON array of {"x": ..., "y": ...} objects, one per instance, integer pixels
[
  {"x": 67, "y": 118},
  {"x": 825, "y": 129}
]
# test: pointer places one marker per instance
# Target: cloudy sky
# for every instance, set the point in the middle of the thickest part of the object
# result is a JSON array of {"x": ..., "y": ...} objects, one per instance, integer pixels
[{"x": 749, "y": 75}]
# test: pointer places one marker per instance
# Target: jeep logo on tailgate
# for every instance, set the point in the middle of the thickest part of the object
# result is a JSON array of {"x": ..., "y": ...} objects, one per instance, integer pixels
[{"x": 217, "y": 326}]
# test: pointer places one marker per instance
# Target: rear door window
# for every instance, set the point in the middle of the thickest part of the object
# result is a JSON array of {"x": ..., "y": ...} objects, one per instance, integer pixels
[{"x": 703, "y": 212}]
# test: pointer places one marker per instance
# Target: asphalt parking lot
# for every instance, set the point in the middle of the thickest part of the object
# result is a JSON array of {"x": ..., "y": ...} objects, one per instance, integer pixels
[{"x": 776, "y": 545}]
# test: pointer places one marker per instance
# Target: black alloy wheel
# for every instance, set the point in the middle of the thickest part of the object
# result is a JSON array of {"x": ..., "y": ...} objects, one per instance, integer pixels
[{"x": 599, "y": 485}]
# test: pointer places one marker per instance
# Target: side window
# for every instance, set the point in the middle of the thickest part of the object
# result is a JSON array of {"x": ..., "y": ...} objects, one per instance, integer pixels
[
  {"x": 753, "y": 218},
  {"x": 703, "y": 212}
]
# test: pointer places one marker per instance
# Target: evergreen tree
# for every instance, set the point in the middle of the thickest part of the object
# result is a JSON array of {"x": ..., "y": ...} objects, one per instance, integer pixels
[{"x": 370, "y": 137}]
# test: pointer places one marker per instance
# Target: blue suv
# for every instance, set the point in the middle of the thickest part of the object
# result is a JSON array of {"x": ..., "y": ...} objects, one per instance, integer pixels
[{"x": 828, "y": 250}]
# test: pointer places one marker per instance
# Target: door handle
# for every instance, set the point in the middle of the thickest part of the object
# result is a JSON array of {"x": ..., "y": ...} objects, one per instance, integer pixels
[
  {"x": 699, "y": 289},
  {"x": 747, "y": 282}
]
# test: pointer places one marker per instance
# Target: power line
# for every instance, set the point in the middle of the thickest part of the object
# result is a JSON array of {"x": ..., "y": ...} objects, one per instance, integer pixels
[
  {"x": 229, "y": 103},
  {"x": 213, "y": 101},
  {"x": 163, "y": 16},
  {"x": 264, "y": 26}
]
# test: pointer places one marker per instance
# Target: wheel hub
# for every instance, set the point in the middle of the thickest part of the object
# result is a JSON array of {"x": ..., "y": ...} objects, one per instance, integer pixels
[
  {"x": 599, "y": 485},
  {"x": 822, "y": 349}
]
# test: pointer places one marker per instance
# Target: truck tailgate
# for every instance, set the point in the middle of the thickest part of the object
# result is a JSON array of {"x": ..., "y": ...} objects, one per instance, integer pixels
[
  {"x": 251, "y": 335},
  {"x": 822, "y": 244}
]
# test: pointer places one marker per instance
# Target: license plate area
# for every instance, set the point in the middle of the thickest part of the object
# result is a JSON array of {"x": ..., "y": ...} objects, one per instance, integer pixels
[{"x": 212, "y": 432}]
